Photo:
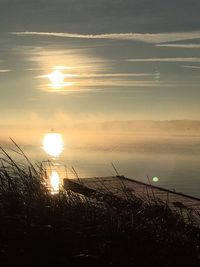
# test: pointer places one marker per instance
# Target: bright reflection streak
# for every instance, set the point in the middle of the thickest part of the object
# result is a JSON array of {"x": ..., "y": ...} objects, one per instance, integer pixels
[
  {"x": 54, "y": 182},
  {"x": 53, "y": 144}
]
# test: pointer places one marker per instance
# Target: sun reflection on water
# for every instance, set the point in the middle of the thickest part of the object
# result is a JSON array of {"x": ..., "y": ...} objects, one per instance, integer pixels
[
  {"x": 53, "y": 144},
  {"x": 55, "y": 182}
]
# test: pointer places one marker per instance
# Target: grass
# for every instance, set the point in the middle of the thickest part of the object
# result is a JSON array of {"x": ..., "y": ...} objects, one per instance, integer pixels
[{"x": 86, "y": 228}]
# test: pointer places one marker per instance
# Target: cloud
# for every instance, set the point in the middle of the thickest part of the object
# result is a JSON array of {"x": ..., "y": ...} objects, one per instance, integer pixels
[
  {"x": 99, "y": 85},
  {"x": 187, "y": 46},
  {"x": 84, "y": 71},
  {"x": 110, "y": 75},
  {"x": 191, "y": 67},
  {"x": 4, "y": 71},
  {"x": 105, "y": 86},
  {"x": 77, "y": 61},
  {"x": 101, "y": 75},
  {"x": 143, "y": 37},
  {"x": 164, "y": 59}
]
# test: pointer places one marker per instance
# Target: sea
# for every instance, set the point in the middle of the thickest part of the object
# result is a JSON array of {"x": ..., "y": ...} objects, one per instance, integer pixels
[{"x": 169, "y": 162}]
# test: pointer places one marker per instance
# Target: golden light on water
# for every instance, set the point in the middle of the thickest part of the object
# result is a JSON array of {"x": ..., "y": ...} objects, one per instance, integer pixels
[
  {"x": 53, "y": 144},
  {"x": 54, "y": 182}
]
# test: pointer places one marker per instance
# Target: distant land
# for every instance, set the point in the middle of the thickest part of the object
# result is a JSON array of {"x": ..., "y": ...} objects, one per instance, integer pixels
[
  {"x": 90, "y": 131},
  {"x": 182, "y": 127}
]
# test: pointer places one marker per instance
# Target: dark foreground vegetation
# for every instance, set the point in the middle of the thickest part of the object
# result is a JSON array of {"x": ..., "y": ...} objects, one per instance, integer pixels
[{"x": 69, "y": 229}]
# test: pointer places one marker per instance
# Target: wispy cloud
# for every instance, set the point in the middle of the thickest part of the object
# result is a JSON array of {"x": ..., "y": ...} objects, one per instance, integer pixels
[
  {"x": 190, "y": 67},
  {"x": 100, "y": 83},
  {"x": 143, "y": 37},
  {"x": 75, "y": 60},
  {"x": 111, "y": 75},
  {"x": 164, "y": 59},
  {"x": 97, "y": 81},
  {"x": 83, "y": 70},
  {"x": 102, "y": 75},
  {"x": 4, "y": 71},
  {"x": 121, "y": 86},
  {"x": 187, "y": 46}
]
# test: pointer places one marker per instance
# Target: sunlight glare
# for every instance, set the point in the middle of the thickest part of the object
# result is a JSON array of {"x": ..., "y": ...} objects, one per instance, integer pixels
[
  {"x": 56, "y": 78},
  {"x": 55, "y": 181},
  {"x": 53, "y": 144}
]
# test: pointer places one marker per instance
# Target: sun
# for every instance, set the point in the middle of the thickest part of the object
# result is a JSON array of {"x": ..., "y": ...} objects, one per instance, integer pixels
[{"x": 56, "y": 78}]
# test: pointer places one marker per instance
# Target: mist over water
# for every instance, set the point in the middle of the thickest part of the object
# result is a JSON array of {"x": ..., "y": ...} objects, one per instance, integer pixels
[{"x": 175, "y": 161}]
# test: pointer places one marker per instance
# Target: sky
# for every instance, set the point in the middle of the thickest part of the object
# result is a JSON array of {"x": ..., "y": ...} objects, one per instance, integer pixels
[{"x": 120, "y": 60}]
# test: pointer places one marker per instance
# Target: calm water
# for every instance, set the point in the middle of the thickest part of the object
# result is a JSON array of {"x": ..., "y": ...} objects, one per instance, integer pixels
[{"x": 175, "y": 161}]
